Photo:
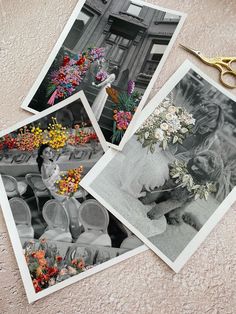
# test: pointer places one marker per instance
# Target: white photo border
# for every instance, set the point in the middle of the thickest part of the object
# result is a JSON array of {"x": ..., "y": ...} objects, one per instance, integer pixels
[
  {"x": 193, "y": 245},
  {"x": 62, "y": 37},
  {"x": 11, "y": 226}
]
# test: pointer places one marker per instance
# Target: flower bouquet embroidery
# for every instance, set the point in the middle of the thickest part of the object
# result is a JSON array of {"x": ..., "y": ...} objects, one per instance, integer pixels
[
  {"x": 47, "y": 267},
  {"x": 68, "y": 184},
  {"x": 167, "y": 124},
  {"x": 179, "y": 172},
  {"x": 30, "y": 138},
  {"x": 101, "y": 76},
  {"x": 55, "y": 135},
  {"x": 70, "y": 74},
  {"x": 81, "y": 135},
  {"x": 125, "y": 104}
]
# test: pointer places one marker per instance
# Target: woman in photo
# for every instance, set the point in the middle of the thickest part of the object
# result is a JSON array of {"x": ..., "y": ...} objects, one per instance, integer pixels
[
  {"x": 101, "y": 98},
  {"x": 50, "y": 172},
  {"x": 145, "y": 171}
]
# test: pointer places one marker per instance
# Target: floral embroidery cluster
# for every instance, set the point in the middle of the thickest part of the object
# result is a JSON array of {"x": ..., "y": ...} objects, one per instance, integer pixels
[
  {"x": 101, "y": 75},
  {"x": 56, "y": 135},
  {"x": 179, "y": 172},
  {"x": 29, "y": 138},
  {"x": 69, "y": 182},
  {"x": 125, "y": 104},
  {"x": 81, "y": 136},
  {"x": 47, "y": 267},
  {"x": 68, "y": 77},
  {"x": 167, "y": 124},
  {"x": 122, "y": 119},
  {"x": 7, "y": 142}
]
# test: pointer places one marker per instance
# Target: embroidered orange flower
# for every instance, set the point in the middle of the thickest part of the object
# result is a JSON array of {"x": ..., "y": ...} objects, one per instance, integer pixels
[
  {"x": 39, "y": 271},
  {"x": 81, "y": 264},
  {"x": 42, "y": 262},
  {"x": 40, "y": 254},
  {"x": 113, "y": 93}
]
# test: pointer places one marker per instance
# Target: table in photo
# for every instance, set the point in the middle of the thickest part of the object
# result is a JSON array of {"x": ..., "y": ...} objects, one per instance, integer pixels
[{"x": 86, "y": 157}]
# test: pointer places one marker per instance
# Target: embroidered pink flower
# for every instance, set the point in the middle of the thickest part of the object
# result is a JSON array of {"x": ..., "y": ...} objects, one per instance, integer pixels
[{"x": 122, "y": 119}]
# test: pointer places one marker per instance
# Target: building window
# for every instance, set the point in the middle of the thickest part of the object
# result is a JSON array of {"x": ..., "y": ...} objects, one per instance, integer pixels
[
  {"x": 83, "y": 18},
  {"x": 153, "y": 58},
  {"x": 169, "y": 16},
  {"x": 116, "y": 47},
  {"x": 134, "y": 9},
  {"x": 77, "y": 29}
]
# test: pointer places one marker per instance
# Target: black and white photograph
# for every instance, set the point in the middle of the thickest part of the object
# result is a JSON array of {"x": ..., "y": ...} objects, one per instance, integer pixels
[
  {"x": 174, "y": 178},
  {"x": 113, "y": 52},
  {"x": 58, "y": 230}
]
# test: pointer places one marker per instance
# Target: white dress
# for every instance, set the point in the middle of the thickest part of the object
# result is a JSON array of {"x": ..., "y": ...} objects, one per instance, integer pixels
[
  {"x": 71, "y": 203},
  {"x": 122, "y": 181},
  {"x": 50, "y": 181},
  {"x": 101, "y": 98}
]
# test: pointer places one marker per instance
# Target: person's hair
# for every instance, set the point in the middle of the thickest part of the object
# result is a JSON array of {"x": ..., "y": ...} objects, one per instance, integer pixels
[
  {"x": 211, "y": 113},
  {"x": 39, "y": 159},
  {"x": 115, "y": 70}
]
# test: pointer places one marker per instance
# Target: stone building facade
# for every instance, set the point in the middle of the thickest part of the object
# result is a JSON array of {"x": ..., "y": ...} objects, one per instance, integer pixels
[{"x": 135, "y": 37}]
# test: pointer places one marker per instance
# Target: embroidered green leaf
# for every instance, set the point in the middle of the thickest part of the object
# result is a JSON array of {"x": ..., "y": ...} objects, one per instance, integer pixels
[
  {"x": 175, "y": 139},
  {"x": 206, "y": 195},
  {"x": 152, "y": 149},
  {"x": 175, "y": 175},
  {"x": 195, "y": 187},
  {"x": 164, "y": 144}
]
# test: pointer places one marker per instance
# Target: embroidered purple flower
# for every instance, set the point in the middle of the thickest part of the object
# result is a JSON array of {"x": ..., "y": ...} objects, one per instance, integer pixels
[
  {"x": 101, "y": 75},
  {"x": 131, "y": 86}
]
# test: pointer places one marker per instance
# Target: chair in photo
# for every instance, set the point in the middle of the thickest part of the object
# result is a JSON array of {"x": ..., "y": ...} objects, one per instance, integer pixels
[
  {"x": 22, "y": 217},
  {"x": 35, "y": 181},
  {"x": 131, "y": 242},
  {"x": 81, "y": 193},
  {"x": 57, "y": 219},
  {"x": 95, "y": 219},
  {"x": 13, "y": 187}
]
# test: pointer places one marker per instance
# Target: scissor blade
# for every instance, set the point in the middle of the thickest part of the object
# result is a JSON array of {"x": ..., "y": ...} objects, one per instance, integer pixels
[{"x": 193, "y": 51}]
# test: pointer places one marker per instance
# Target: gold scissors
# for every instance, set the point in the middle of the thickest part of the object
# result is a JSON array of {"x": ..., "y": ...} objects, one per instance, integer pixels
[{"x": 223, "y": 64}]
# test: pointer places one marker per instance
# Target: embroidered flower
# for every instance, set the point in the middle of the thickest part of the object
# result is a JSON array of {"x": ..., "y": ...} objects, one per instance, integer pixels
[
  {"x": 164, "y": 126},
  {"x": 159, "y": 135},
  {"x": 170, "y": 116},
  {"x": 71, "y": 270},
  {"x": 172, "y": 109},
  {"x": 174, "y": 122}
]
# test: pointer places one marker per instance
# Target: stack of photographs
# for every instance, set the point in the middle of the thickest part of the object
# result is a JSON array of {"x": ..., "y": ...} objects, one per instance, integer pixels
[{"x": 97, "y": 172}]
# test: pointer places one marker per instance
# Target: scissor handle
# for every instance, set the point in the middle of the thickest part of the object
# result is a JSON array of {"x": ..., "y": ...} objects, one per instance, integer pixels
[
  {"x": 227, "y": 63},
  {"x": 230, "y": 74},
  {"x": 232, "y": 60}
]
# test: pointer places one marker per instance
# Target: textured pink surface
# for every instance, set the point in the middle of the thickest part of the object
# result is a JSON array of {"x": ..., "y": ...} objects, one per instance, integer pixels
[{"x": 143, "y": 284}]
